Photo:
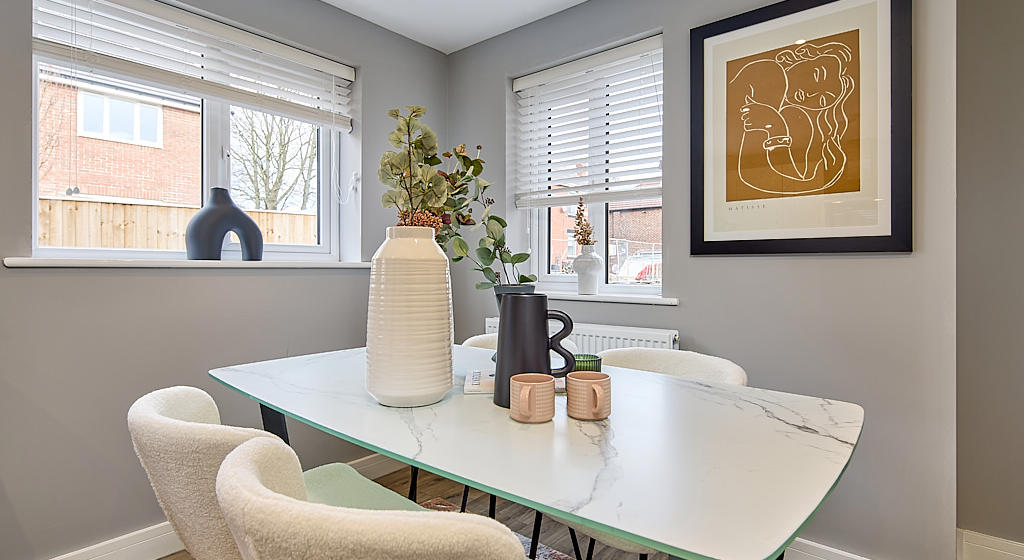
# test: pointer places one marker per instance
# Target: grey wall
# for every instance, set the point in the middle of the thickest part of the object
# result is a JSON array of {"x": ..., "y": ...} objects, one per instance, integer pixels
[
  {"x": 78, "y": 346},
  {"x": 878, "y": 330},
  {"x": 989, "y": 120}
]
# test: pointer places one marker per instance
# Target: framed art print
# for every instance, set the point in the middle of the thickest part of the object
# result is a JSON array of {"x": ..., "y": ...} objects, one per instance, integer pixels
[{"x": 801, "y": 129}]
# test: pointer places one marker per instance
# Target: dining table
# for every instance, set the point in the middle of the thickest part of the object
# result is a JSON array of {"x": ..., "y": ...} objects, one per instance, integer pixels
[{"x": 694, "y": 469}]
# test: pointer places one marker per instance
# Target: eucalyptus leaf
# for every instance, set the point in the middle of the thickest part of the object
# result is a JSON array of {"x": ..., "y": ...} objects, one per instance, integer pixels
[
  {"x": 485, "y": 256},
  {"x": 460, "y": 247},
  {"x": 484, "y": 285},
  {"x": 520, "y": 258},
  {"x": 527, "y": 278},
  {"x": 498, "y": 219},
  {"x": 490, "y": 275},
  {"x": 495, "y": 230}
]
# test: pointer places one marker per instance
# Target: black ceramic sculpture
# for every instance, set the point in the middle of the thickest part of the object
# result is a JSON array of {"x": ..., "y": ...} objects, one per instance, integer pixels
[{"x": 205, "y": 233}]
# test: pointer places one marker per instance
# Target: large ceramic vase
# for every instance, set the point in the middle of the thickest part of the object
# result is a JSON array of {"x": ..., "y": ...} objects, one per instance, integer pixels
[
  {"x": 409, "y": 320},
  {"x": 588, "y": 266}
]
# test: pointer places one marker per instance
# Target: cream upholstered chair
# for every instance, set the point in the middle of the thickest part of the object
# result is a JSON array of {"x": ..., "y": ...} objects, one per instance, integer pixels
[
  {"x": 490, "y": 341},
  {"x": 680, "y": 363},
  {"x": 181, "y": 443},
  {"x": 260, "y": 490}
]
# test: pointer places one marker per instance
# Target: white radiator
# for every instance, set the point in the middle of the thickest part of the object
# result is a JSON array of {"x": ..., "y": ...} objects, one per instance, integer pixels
[{"x": 593, "y": 338}]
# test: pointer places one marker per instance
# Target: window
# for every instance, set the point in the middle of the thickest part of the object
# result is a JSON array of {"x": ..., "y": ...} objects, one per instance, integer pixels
[
  {"x": 120, "y": 120},
  {"x": 592, "y": 129},
  {"x": 143, "y": 107}
]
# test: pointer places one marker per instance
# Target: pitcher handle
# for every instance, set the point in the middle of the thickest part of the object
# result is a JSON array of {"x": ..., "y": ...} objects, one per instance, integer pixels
[{"x": 555, "y": 343}]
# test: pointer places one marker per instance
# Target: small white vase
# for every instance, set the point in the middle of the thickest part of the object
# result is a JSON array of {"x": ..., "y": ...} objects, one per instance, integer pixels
[
  {"x": 409, "y": 329},
  {"x": 588, "y": 266}
]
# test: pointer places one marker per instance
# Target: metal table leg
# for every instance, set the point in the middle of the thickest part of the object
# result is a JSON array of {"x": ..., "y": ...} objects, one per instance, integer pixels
[{"x": 273, "y": 422}]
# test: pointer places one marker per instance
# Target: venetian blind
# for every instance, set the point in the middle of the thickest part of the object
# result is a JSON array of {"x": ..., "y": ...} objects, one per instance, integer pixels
[
  {"x": 591, "y": 128},
  {"x": 187, "y": 53}
]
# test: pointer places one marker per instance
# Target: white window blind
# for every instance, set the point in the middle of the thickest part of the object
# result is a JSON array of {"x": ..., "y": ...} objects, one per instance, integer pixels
[
  {"x": 591, "y": 128},
  {"x": 191, "y": 54}
]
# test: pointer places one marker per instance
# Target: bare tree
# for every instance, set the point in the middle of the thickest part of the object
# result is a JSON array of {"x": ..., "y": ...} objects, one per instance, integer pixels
[
  {"x": 273, "y": 160},
  {"x": 52, "y": 114}
]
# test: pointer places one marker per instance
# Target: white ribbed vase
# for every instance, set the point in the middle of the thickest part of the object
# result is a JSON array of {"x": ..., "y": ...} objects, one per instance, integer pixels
[{"x": 409, "y": 320}]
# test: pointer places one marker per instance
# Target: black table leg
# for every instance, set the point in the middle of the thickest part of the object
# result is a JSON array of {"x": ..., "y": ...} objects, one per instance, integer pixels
[
  {"x": 273, "y": 422},
  {"x": 412, "y": 483},
  {"x": 492, "y": 506},
  {"x": 465, "y": 497},
  {"x": 575, "y": 544},
  {"x": 590, "y": 549},
  {"x": 537, "y": 519},
  {"x": 781, "y": 556}
]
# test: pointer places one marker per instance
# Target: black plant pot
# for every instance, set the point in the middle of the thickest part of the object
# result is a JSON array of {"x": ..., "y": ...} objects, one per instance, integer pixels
[
  {"x": 518, "y": 289},
  {"x": 205, "y": 233}
]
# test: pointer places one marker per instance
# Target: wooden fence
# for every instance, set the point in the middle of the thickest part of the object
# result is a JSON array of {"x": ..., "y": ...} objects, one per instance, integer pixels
[{"x": 67, "y": 222}]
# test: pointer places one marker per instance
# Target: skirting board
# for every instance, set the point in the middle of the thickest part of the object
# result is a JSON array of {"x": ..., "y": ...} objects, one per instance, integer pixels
[{"x": 977, "y": 546}]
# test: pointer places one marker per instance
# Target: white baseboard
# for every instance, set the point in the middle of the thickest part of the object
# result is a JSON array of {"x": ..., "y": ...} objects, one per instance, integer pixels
[
  {"x": 376, "y": 465},
  {"x": 977, "y": 546},
  {"x": 145, "y": 544},
  {"x": 802, "y": 549}
]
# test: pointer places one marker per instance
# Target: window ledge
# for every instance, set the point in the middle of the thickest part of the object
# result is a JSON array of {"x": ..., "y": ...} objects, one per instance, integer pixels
[
  {"x": 613, "y": 298},
  {"x": 37, "y": 262}
]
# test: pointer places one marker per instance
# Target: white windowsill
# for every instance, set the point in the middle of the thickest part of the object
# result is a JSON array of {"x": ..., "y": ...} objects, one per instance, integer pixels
[
  {"x": 37, "y": 262},
  {"x": 613, "y": 298}
]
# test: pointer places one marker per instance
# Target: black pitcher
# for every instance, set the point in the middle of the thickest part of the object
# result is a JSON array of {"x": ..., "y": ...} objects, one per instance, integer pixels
[{"x": 523, "y": 343}]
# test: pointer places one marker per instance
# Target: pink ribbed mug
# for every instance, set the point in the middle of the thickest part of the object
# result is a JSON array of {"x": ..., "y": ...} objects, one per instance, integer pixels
[
  {"x": 589, "y": 395},
  {"x": 532, "y": 397}
]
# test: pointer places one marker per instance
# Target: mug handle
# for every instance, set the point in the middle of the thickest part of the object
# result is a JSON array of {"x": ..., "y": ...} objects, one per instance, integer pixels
[
  {"x": 598, "y": 397},
  {"x": 555, "y": 343},
  {"x": 524, "y": 397}
]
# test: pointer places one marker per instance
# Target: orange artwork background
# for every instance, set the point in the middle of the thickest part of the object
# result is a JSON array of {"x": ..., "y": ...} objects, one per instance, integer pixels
[{"x": 793, "y": 120}]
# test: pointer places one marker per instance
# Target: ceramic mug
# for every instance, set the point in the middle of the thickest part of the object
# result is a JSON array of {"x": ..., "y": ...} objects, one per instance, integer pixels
[
  {"x": 532, "y": 397},
  {"x": 589, "y": 395}
]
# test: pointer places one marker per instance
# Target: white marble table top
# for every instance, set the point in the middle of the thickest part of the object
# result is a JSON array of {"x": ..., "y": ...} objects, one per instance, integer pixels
[{"x": 692, "y": 469}]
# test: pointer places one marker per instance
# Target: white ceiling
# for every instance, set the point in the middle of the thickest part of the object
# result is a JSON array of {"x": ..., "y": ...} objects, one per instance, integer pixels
[{"x": 449, "y": 25}]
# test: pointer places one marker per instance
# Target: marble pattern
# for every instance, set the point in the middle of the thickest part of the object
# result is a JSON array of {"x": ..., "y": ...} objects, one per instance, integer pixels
[{"x": 694, "y": 469}]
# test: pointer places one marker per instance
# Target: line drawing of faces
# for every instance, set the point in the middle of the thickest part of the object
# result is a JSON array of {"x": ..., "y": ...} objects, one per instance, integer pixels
[{"x": 793, "y": 111}]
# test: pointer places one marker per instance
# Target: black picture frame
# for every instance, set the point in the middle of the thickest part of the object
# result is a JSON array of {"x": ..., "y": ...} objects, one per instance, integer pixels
[{"x": 901, "y": 103}]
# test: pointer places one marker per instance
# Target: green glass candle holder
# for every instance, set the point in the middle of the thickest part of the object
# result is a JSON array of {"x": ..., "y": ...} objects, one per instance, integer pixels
[{"x": 587, "y": 362}]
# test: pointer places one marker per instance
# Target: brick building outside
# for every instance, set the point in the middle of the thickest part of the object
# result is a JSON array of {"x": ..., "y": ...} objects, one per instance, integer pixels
[{"x": 168, "y": 171}]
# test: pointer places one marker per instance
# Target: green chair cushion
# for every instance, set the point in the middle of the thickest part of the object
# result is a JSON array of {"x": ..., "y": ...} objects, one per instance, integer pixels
[{"x": 338, "y": 484}]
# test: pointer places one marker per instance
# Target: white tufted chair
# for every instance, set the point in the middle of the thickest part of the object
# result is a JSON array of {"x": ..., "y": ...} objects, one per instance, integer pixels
[
  {"x": 490, "y": 342},
  {"x": 260, "y": 490},
  {"x": 680, "y": 363},
  {"x": 181, "y": 443}
]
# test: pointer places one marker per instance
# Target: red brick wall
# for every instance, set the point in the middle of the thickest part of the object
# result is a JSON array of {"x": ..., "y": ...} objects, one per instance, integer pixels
[
  {"x": 170, "y": 174},
  {"x": 639, "y": 224}
]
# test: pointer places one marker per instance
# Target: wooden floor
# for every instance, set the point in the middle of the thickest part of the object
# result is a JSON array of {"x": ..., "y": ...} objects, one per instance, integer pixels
[{"x": 514, "y": 516}]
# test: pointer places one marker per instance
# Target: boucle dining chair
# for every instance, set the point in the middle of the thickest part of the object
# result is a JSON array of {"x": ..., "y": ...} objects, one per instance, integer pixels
[
  {"x": 261, "y": 492},
  {"x": 181, "y": 443},
  {"x": 679, "y": 363},
  {"x": 490, "y": 342}
]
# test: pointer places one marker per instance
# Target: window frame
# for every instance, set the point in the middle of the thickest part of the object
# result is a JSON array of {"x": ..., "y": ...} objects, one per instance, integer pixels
[
  {"x": 216, "y": 172},
  {"x": 538, "y": 228},
  {"x": 135, "y": 100}
]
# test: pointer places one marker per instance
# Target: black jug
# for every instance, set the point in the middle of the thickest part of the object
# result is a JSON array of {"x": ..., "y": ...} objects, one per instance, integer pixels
[{"x": 523, "y": 343}]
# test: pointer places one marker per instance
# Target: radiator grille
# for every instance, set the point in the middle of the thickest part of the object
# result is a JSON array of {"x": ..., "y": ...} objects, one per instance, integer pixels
[{"x": 593, "y": 338}]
